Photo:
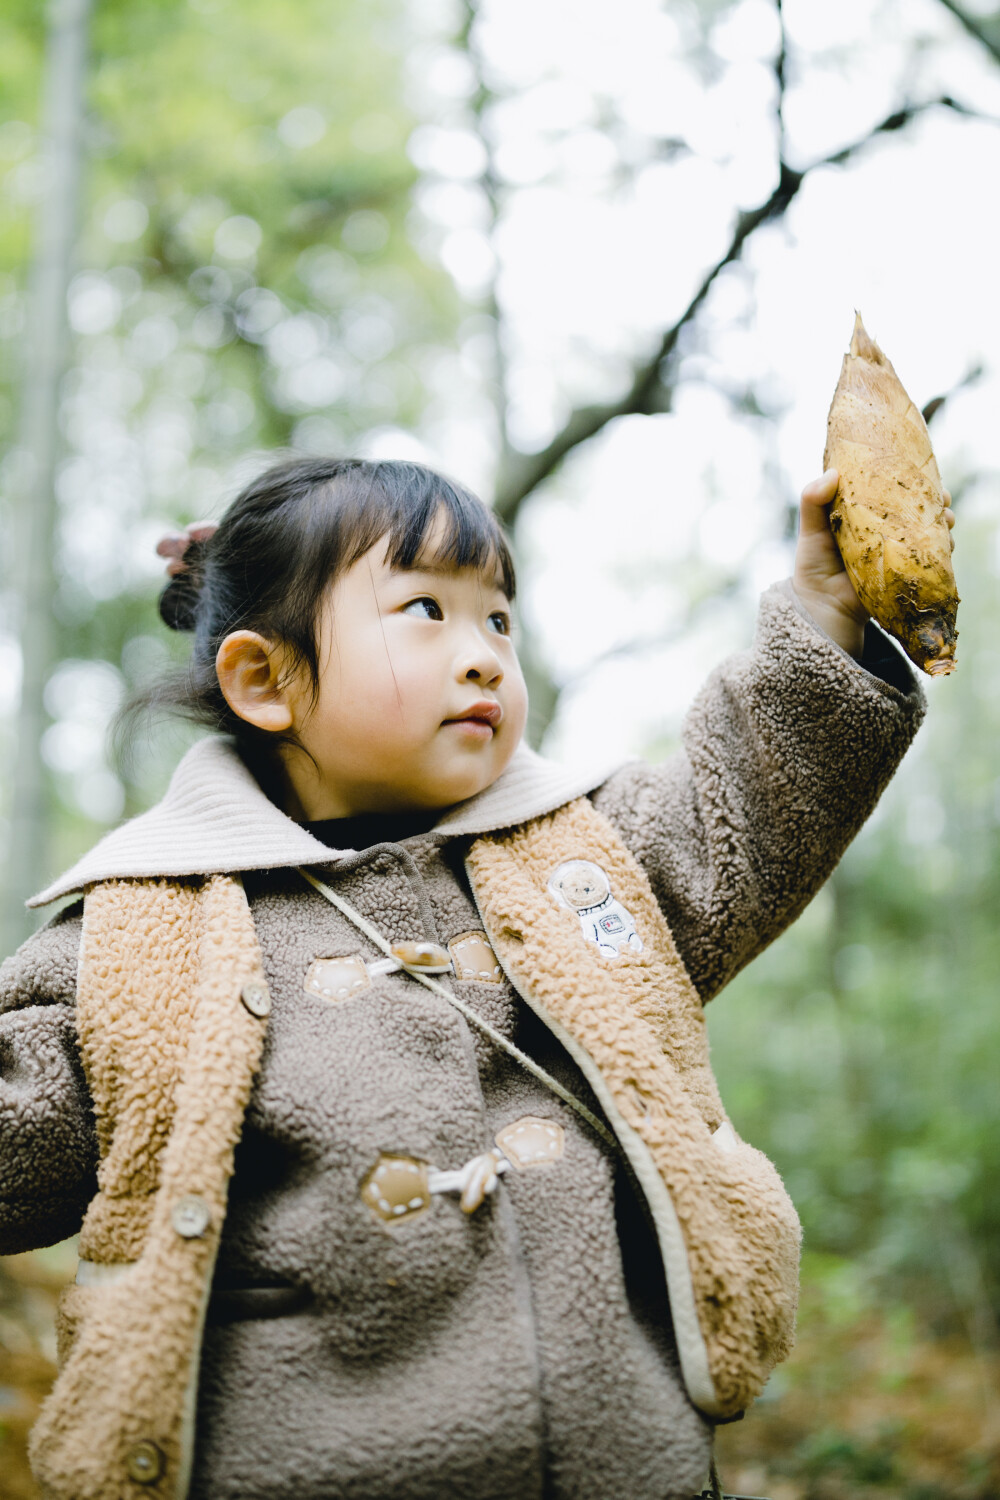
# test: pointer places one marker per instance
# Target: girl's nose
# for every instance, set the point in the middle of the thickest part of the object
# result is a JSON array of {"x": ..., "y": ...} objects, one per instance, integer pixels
[
  {"x": 488, "y": 679},
  {"x": 482, "y": 664}
]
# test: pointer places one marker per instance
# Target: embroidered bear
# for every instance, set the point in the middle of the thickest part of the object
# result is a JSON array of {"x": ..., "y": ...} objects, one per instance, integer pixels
[{"x": 585, "y": 888}]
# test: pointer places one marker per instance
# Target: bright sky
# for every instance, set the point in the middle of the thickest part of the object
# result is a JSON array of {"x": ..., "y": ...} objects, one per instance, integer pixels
[{"x": 659, "y": 508}]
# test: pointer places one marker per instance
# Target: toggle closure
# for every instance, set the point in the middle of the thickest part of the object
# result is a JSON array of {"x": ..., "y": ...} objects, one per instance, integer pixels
[
  {"x": 415, "y": 958},
  {"x": 473, "y": 1182},
  {"x": 400, "y": 1187}
]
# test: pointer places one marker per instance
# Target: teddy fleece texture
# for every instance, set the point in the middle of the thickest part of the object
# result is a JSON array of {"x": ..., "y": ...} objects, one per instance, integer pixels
[
  {"x": 526, "y": 1349},
  {"x": 170, "y": 1053},
  {"x": 728, "y": 1232}
]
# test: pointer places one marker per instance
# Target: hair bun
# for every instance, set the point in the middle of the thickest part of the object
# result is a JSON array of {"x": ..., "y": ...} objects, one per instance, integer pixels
[{"x": 178, "y": 603}]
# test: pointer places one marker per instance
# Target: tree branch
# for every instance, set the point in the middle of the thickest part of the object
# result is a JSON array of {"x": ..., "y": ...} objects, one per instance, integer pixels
[
  {"x": 975, "y": 28},
  {"x": 780, "y": 71},
  {"x": 936, "y": 403},
  {"x": 489, "y": 181},
  {"x": 520, "y": 474}
]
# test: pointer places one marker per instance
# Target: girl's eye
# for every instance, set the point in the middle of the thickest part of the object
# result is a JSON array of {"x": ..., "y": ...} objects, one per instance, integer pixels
[
  {"x": 426, "y": 606},
  {"x": 500, "y": 621}
]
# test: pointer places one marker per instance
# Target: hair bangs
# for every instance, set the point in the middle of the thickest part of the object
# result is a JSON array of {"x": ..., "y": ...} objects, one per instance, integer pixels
[{"x": 402, "y": 502}]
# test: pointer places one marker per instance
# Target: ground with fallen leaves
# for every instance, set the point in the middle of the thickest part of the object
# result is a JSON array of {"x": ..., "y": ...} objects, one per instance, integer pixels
[{"x": 870, "y": 1406}]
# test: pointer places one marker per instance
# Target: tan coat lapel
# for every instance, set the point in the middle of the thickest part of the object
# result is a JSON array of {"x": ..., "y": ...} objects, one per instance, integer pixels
[
  {"x": 170, "y": 1050},
  {"x": 633, "y": 1021}
]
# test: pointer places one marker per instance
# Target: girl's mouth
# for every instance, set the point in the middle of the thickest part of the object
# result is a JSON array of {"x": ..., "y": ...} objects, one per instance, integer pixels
[
  {"x": 477, "y": 729},
  {"x": 481, "y": 719}
]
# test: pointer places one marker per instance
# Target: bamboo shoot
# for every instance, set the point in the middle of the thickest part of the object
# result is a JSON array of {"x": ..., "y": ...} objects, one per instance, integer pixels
[{"x": 889, "y": 514}]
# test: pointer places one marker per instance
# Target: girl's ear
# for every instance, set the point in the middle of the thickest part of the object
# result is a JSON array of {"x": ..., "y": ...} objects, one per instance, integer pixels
[{"x": 248, "y": 667}]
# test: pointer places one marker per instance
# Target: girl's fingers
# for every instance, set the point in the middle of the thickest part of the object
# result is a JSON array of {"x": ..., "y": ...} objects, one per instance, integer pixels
[
  {"x": 816, "y": 496},
  {"x": 819, "y": 493},
  {"x": 822, "y": 490}
]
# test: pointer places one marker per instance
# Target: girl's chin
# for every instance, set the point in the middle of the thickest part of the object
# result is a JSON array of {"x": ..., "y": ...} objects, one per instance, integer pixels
[{"x": 462, "y": 783}]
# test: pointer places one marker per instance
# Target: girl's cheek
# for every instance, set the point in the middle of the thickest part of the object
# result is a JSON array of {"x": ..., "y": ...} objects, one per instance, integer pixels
[{"x": 518, "y": 693}]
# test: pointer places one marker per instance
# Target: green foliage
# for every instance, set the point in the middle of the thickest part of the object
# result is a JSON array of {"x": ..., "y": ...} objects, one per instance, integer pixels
[
  {"x": 247, "y": 278},
  {"x": 861, "y": 1051}
]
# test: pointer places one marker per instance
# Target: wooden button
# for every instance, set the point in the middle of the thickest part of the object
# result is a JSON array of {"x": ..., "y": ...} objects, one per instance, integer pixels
[
  {"x": 191, "y": 1217},
  {"x": 144, "y": 1462},
  {"x": 256, "y": 998}
]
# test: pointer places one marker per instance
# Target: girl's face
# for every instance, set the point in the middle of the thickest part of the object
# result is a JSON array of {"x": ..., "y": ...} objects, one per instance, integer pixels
[{"x": 421, "y": 701}]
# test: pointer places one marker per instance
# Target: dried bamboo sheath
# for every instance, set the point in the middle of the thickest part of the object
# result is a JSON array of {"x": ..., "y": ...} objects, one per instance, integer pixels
[{"x": 889, "y": 515}]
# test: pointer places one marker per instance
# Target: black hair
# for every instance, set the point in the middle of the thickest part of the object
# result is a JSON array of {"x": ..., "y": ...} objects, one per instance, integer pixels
[{"x": 288, "y": 535}]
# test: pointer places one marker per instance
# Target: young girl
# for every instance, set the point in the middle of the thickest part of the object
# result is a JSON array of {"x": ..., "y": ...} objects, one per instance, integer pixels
[{"x": 372, "y": 1059}]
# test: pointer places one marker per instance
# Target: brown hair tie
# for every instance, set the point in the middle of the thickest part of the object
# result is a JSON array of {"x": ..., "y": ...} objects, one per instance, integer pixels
[{"x": 176, "y": 543}]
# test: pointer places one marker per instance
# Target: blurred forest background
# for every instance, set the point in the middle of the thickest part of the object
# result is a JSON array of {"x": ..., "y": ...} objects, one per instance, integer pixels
[{"x": 601, "y": 263}]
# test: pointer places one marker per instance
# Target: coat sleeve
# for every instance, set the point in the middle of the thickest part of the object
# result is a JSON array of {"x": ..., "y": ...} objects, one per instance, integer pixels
[
  {"x": 786, "y": 751},
  {"x": 48, "y": 1145}
]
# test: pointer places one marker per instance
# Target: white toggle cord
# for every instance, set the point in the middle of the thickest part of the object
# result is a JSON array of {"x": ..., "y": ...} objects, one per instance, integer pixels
[
  {"x": 374, "y": 936},
  {"x": 474, "y": 1181}
]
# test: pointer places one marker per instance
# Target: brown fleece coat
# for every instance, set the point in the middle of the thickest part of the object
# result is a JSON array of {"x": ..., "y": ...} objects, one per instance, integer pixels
[
  {"x": 170, "y": 1052},
  {"x": 524, "y": 1350}
]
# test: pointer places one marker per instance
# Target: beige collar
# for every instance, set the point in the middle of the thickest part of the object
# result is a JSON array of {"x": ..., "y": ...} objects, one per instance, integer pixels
[{"x": 215, "y": 818}]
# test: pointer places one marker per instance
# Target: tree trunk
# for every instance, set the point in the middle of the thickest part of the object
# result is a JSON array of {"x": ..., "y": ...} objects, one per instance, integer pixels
[{"x": 30, "y": 563}]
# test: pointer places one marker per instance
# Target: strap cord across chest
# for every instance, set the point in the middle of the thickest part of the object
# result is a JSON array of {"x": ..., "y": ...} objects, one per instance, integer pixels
[{"x": 374, "y": 936}]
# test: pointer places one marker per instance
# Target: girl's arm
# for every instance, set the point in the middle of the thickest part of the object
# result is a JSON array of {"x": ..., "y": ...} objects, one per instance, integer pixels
[
  {"x": 787, "y": 749},
  {"x": 48, "y": 1147},
  {"x": 786, "y": 752}
]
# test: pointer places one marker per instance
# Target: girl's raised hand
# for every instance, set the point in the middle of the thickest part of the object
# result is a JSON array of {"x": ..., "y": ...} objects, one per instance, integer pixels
[{"x": 820, "y": 578}]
